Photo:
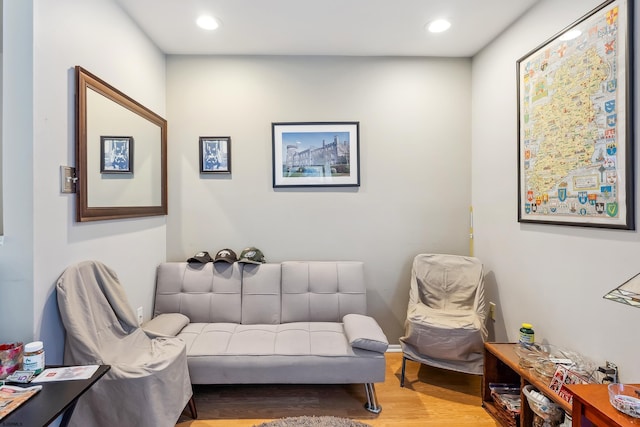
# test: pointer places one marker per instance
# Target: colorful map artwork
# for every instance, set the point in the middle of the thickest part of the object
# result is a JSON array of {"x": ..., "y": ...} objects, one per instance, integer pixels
[{"x": 571, "y": 164}]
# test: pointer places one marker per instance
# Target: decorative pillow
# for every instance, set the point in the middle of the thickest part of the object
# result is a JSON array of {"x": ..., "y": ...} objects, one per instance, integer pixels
[
  {"x": 165, "y": 325},
  {"x": 365, "y": 333}
]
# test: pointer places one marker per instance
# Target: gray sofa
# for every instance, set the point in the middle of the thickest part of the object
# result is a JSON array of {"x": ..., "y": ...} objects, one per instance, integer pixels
[{"x": 295, "y": 322}]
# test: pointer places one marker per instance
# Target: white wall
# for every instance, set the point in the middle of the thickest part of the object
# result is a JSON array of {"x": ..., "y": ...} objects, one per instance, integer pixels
[
  {"x": 552, "y": 276},
  {"x": 414, "y": 116},
  {"x": 16, "y": 254},
  {"x": 97, "y": 35}
]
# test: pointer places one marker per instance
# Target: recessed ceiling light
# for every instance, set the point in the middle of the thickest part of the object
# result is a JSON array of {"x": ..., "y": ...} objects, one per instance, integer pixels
[
  {"x": 571, "y": 34},
  {"x": 207, "y": 22},
  {"x": 438, "y": 26}
]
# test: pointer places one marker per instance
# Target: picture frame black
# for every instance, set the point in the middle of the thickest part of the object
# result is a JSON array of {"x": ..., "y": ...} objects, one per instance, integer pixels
[
  {"x": 316, "y": 154},
  {"x": 215, "y": 154},
  {"x": 575, "y": 123},
  {"x": 116, "y": 154}
]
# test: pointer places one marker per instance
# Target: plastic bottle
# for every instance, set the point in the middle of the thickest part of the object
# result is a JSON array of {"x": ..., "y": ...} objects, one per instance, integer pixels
[
  {"x": 527, "y": 335},
  {"x": 33, "y": 358}
]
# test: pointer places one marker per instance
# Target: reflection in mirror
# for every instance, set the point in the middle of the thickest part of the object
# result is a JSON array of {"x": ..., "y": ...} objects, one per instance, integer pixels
[{"x": 112, "y": 181}]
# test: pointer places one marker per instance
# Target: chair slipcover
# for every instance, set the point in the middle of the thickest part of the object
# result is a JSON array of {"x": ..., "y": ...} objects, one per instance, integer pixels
[
  {"x": 445, "y": 324},
  {"x": 148, "y": 383}
]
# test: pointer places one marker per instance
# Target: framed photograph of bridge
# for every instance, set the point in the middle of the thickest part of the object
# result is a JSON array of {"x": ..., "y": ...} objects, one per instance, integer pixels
[
  {"x": 575, "y": 124},
  {"x": 316, "y": 154}
]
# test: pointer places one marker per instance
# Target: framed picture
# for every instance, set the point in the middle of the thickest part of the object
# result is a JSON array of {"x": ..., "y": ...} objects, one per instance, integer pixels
[
  {"x": 215, "y": 154},
  {"x": 316, "y": 154},
  {"x": 116, "y": 154},
  {"x": 575, "y": 124}
]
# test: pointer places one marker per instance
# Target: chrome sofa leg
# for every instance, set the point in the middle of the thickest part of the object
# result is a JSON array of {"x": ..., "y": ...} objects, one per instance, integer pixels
[{"x": 372, "y": 402}]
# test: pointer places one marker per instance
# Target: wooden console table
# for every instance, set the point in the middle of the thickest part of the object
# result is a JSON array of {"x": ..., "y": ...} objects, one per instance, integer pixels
[
  {"x": 501, "y": 365},
  {"x": 591, "y": 407}
]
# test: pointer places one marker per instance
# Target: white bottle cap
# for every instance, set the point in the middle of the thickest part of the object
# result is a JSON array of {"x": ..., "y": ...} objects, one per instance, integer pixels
[{"x": 33, "y": 346}]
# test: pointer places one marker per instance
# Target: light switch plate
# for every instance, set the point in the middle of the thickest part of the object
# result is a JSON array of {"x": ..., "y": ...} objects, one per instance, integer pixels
[{"x": 68, "y": 179}]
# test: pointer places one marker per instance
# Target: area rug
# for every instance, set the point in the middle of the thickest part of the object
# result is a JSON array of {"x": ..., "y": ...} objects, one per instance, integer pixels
[{"x": 325, "y": 421}]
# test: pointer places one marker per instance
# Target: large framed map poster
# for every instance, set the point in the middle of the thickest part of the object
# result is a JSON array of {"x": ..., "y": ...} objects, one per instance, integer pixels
[{"x": 575, "y": 130}]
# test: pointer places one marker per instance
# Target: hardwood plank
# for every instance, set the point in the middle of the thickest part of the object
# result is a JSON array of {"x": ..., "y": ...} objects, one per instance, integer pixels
[{"x": 431, "y": 396}]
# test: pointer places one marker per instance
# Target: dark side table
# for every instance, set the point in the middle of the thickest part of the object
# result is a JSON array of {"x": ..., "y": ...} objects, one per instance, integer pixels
[{"x": 55, "y": 398}]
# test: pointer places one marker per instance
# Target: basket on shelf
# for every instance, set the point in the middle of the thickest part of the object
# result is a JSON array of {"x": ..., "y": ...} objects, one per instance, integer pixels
[
  {"x": 506, "y": 399},
  {"x": 507, "y": 417},
  {"x": 546, "y": 413}
]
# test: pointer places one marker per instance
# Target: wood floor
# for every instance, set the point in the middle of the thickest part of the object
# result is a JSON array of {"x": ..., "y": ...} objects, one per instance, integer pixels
[{"x": 431, "y": 397}]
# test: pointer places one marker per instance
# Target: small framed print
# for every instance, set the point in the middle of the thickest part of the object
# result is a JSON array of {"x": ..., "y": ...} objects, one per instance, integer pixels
[
  {"x": 215, "y": 154},
  {"x": 116, "y": 154}
]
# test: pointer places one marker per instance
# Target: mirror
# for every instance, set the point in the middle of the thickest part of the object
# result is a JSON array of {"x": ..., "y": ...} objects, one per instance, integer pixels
[{"x": 121, "y": 154}]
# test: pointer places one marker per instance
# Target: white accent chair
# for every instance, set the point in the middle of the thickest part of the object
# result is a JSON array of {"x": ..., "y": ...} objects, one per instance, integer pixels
[
  {"x": 148, "y": 384},
  {"x": 445, "y": 325}
]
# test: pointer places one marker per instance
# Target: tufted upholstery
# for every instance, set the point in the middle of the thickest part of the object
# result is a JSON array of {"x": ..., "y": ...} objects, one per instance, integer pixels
[
  {"x": 293, "y": 291},
  {"x": 322, "y": 291},
  {"x": 261, "y": 294},
  {"x": 210, "y": 292},
  {"x": 274, "y": 323}
]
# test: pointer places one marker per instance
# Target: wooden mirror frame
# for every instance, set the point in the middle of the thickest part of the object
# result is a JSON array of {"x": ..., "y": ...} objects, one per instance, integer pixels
[{"x": 85, "y": 81}]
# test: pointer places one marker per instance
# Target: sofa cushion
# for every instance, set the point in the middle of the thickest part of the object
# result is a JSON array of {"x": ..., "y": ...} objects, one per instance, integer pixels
[
  {"x": 295, "y": 353},
  {"x": 292, "y": 339},
  {"x": 365, "y": 333},
  {"x": 317, "y": 291},
  {"x": 210, "y": 292},
  {"x": 261, "y": 294},
  {"x": 165, "y": 325}
]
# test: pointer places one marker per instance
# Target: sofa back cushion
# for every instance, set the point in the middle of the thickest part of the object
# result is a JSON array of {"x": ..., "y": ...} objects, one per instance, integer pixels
[
  {"x": 261, "y": 294},
  {"x": 271, "y": 293},
  {"x": 210, "y": 292},
  {"x": 322, "y": 291}
]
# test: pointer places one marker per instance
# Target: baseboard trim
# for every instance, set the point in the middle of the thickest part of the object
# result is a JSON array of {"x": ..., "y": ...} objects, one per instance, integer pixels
[{"x": 394, "y": 348}]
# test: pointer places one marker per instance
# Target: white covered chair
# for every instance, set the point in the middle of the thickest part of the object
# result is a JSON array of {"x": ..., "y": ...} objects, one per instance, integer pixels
[
  {"x": 148, "y": 383},
  {"x": 445, "y": 325}
]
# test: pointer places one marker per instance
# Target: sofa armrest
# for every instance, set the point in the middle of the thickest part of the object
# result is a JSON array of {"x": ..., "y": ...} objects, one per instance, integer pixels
[
  {"x": 165, "y": 325},
  {"x": 365, "y": 333}
]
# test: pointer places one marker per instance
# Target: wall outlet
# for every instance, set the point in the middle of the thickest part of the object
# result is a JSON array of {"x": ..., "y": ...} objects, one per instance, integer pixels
[
  {"x": 492, "y": 310},
  {"x": 612, "y": 367},
  {"x": 140, "y": 314}
]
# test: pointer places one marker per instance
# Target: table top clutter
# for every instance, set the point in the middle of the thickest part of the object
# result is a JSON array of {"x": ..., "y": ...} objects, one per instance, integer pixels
[{"x": 56, "y": 398}]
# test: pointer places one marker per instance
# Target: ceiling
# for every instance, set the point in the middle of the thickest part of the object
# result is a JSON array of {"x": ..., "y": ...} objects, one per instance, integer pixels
[{"x": 324, "y": 27}]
